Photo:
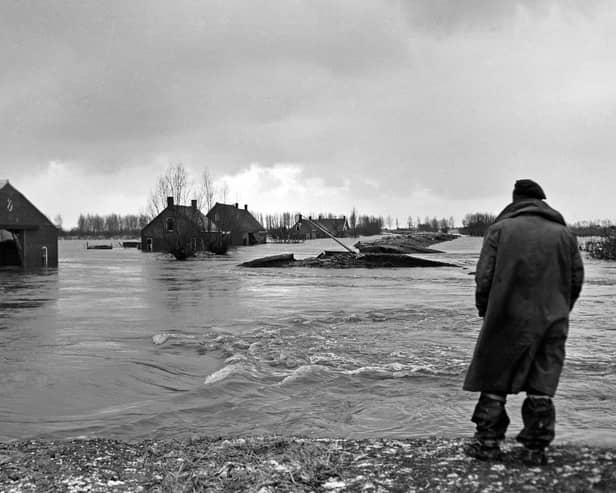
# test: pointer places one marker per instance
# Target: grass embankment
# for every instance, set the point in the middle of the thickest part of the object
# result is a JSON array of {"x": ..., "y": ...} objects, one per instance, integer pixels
[{"x": 268, "y": 464}]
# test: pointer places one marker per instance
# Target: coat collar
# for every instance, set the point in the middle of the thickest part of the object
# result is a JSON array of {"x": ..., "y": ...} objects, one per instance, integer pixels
[{"x": 534, "y": 207}]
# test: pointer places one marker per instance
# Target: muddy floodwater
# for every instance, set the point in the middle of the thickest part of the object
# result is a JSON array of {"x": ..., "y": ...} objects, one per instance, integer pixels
[{"x": 123, "y": 344}]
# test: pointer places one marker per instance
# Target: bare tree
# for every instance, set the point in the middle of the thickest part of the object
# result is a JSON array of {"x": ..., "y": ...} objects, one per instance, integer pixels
[
  {"x": 221, "y": 220},
  {"x": 353, "y": 222},
  {"x": 173, "y": 183},
  {"x": 389, "y": 222},
  {"x": 207, "y": 191}
]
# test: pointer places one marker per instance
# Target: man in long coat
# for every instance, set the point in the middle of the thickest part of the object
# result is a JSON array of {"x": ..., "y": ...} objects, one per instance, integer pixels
[{"x": 528, "y": 277}]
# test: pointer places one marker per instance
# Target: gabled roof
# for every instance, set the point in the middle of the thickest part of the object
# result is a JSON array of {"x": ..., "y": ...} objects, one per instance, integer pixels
[
  {"x": 333, "y": 225},
  {"x": 232, "y": 217},
  {"x": 336, "y": 222},
  {"x": 34, "y": 218},
  {"x": 194, "y": 215},
  {"x": 197, "y": 217}
]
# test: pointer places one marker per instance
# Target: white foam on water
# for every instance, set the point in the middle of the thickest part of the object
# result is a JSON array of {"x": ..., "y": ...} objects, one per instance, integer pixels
[
  {"x": 299, "y": 373},
  {"x": 221, "y": 374},
  {"x": 159, "y": 339}
]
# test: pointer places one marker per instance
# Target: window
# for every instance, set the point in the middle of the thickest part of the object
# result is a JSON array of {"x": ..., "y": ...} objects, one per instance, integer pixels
[{"x": 170, "y": 224}]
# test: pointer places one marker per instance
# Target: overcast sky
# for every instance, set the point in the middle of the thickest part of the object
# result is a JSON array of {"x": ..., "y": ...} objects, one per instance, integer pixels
[{"x": 401, "y": 108}]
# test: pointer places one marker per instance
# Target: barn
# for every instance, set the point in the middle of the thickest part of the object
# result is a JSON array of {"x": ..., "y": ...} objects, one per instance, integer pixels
[{"x": 27, "y": 238}]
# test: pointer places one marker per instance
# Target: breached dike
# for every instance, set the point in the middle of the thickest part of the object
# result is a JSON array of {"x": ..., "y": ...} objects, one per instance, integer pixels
[
  {"x": 345, "y": 260},
  {"x": 418, "y": 242}
]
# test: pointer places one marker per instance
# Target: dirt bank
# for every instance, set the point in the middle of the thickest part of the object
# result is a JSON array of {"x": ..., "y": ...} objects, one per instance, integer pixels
[
  {"x": 269, "y": 464},
  {"x": 345, "y": 260},
  {"x": 405, "y": 243}
]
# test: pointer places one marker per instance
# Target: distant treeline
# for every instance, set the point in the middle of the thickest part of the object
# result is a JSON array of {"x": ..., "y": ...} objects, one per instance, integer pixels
[
  {"x": 476, "y": 223},
  {"x": 604, "y": 227},
  {"x": 277, "y": 225},
  {"x": 109, "y": 225},
  {"x": 431, "y": 225},
  {"x": 367, "y": 226},
  {"x": 473, "y": 224}
]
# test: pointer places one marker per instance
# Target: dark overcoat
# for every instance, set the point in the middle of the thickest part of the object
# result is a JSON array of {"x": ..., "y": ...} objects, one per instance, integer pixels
[{"x": 528, "y": 277}]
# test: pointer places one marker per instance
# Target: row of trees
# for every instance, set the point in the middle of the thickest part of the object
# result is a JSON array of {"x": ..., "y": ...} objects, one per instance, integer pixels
[
  {"x": 109, "y": 225},
  {"x": 433, "y": 225},
  {"x": 279, "y": 225},
  {"x": 366, "y": 225},
  {"x": 476, "y": 224},
  {"x": 592, "y": 228}
]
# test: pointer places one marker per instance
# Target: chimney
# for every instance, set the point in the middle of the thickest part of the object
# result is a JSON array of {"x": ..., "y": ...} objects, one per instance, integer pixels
[
  {"x": 245, "y": 207},
  {"x": 169, "y": 201},
  {"x": 193, "y": 204},
  {"x": 236, "y": 205}
]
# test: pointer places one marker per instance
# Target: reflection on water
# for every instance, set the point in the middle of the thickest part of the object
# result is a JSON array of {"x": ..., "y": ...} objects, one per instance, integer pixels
[{"x": 304, "y": 351}]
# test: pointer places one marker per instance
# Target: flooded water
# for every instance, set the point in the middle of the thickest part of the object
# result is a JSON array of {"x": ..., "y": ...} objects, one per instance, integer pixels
[{"x": 129, "y": 345}]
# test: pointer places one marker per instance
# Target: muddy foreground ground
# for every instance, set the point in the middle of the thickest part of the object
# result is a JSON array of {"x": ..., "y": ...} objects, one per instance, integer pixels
[{"x": 271, "y": 464}]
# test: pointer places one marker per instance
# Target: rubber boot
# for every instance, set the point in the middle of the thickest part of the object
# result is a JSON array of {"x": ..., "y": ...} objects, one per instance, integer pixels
[
  {"x": 492, "y": 421},
  {"x": 539, "y": 417}
]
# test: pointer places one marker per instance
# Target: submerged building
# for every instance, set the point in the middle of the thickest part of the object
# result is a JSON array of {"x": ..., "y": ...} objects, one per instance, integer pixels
[
  {"x": 27, "y": 238},
  {"x": 306, "y": 230},
  {"x": 239, "y": 225},
  {"x": 179, "y": 228}
]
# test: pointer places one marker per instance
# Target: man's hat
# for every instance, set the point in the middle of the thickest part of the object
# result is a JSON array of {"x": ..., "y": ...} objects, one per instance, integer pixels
[{"x": 528, "y": 188}]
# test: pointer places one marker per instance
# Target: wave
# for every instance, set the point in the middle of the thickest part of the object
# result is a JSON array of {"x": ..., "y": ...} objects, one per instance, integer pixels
[
  {"x": 303, "y": 373},
  {"x": 222, "y": 374}
]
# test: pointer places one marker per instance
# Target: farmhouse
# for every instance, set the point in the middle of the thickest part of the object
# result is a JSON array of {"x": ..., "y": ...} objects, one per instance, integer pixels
[
  {"x": 27, "y": 238},
  {"x": 179, "y": 228},
  {"x": 337, "y": 226},
  {"x": 240, "y": 224}
]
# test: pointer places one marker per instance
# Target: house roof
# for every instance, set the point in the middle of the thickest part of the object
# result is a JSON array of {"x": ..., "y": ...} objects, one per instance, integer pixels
[
  {"x": 333, "y": 225},
  {"x": 35, "y": 219},
  {"x": 337, "y": 222},
  {"x": 232, "y": 217},
  {"x": 190, "y": 213},
  {"x": 196, "y": 216}
]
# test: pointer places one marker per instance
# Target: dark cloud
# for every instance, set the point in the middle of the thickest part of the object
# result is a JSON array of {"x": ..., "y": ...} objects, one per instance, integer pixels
[
  {"x": 445, "y": 96},
  {"x": 87, "y": 77}
]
